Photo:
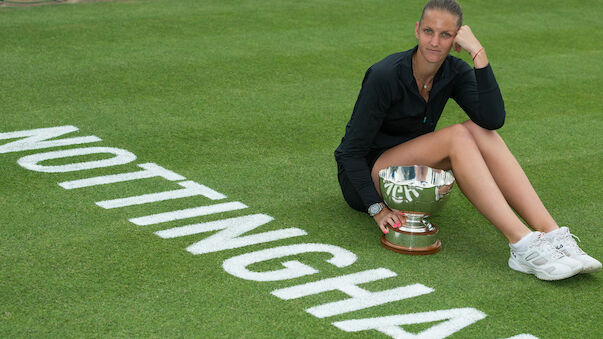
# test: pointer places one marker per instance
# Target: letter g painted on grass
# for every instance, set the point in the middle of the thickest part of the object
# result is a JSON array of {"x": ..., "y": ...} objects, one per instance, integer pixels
[{"x": 237, "y": 266}]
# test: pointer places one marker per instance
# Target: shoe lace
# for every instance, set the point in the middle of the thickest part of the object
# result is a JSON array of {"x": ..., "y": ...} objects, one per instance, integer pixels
[
  {"x": 568, "y": 241},
  {"x": 547, "y": 247}
]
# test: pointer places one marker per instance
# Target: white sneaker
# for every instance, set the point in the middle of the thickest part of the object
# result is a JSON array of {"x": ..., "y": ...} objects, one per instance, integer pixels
[
  {"x": 564, "y": 242},
  {"x": 540, "y": 258}
]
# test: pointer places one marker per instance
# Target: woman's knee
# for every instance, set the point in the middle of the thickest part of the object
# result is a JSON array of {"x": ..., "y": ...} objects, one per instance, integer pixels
[
  {"x": 482, "y": 136},
  {"x": 461, "y": 140},
  {"x": 478, "y": 131},
  {"x": 460, "y": 135}
]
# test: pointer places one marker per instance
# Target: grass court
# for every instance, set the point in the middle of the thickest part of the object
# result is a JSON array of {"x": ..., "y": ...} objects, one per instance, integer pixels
[{"x": 250, "y": 98}]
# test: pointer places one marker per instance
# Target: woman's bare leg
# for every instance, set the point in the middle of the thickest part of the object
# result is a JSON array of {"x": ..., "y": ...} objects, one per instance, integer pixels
[
  {"x": 511, "y": 179},
  {"x": 455, "y": 148}
]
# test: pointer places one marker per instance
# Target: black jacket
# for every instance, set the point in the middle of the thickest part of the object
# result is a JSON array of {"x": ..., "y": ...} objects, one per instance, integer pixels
[{"x": 389, "y": 111}]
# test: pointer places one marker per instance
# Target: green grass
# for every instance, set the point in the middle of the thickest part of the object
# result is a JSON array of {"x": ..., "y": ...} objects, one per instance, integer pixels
[{"x": 251, "y": 98}]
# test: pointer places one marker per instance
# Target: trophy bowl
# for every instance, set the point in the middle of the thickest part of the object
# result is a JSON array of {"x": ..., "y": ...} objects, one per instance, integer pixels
[{"x": 419, "y": 192}]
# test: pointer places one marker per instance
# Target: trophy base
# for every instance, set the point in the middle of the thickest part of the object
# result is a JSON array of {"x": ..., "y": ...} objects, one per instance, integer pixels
[
  {"x": 433, "y": 249},
  {"x": 413, "y": 243}
]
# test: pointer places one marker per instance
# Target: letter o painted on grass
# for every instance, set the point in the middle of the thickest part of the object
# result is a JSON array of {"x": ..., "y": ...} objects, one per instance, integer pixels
[
  {"x": 31, "y": 162},
  {"x": 237, "y": 266}
]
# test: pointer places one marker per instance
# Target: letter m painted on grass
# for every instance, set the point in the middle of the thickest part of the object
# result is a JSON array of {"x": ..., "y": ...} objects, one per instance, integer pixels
[
  {"x": 36, "y": 139},
  {"x": 231, "y": 229}
]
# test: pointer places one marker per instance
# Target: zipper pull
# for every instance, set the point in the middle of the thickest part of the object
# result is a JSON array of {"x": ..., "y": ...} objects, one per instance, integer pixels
[{"x": 425, "y": 119}]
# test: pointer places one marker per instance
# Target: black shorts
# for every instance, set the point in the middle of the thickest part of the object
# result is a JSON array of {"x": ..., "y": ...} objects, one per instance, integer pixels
[{"x": 349, "y": 192}]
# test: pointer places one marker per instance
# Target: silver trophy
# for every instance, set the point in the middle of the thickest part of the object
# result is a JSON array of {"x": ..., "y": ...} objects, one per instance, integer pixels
[{"x": 419, "y": 192}]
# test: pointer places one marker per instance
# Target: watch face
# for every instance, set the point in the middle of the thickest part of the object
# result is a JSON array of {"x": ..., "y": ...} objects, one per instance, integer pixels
[{"x": 374, "y": 209}]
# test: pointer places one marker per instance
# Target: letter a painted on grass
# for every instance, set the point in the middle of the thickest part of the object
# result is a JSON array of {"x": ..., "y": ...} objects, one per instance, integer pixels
[
  {"x": 35, "y": 139},
  {"x": 237, "y": 266},
  {"x": 457, "y": 319},
  {"x": 229, "y": 238},
  {"x": 347, "y": 284}
]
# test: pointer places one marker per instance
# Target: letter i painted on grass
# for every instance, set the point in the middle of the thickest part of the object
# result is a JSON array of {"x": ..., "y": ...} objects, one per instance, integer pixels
[
  {"x": 187, "y": 213},
  {"x": 190, "y": 189}
]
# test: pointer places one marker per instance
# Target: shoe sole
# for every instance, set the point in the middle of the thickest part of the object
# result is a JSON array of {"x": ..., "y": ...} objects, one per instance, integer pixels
[
  {"x": 591, "y": 270},
  {"x": 541, "y": 275}
]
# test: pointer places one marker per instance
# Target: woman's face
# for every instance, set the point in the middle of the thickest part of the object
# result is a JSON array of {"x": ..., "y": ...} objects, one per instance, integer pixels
[{"x": 435, "y": 34}]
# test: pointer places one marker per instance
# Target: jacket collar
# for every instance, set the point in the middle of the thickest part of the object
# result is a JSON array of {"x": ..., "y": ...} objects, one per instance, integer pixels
[{"x": 444, "y": 75}]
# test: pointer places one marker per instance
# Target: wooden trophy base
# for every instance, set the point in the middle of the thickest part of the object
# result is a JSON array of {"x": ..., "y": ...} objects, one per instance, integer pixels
[{"x": 432, "y": 249}]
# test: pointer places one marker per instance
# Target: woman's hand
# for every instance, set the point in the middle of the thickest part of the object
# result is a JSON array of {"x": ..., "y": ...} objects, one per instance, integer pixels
[
  {"x": 394, "y": 218},
  {"x": 466, "y": 40}
]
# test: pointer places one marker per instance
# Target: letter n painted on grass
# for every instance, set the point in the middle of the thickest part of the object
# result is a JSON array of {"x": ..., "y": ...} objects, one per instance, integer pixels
[
  {"x": 237, "y": 266},
  {"x": 456, "y": 320},
  {"x": 36, "y": 139}
]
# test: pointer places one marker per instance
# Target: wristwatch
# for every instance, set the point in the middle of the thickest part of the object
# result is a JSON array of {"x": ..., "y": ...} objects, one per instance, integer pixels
[{"x": 375, "y": 208}]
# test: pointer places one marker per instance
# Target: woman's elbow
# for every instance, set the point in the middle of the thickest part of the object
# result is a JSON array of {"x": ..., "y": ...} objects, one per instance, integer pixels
[
  {"x": 493, "y": 120},
  {"x": 495, "y": 124}
]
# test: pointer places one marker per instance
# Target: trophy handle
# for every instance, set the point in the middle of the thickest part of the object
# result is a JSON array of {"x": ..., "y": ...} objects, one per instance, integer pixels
[{"x": 428, "y": 224}]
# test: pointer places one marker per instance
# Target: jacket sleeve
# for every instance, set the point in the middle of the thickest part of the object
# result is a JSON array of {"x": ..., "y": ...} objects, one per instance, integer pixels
[
  {"x": 476, "y": 92},
  {"x": 369, "y": 112}
]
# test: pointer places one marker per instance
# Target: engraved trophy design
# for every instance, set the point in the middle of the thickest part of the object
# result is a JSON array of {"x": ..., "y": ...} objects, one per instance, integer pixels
[{"x": 419, "y": 192}]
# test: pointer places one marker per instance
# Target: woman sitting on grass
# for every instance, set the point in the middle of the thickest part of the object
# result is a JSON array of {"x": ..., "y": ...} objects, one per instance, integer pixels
[{"x": 393, "y": 123}]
